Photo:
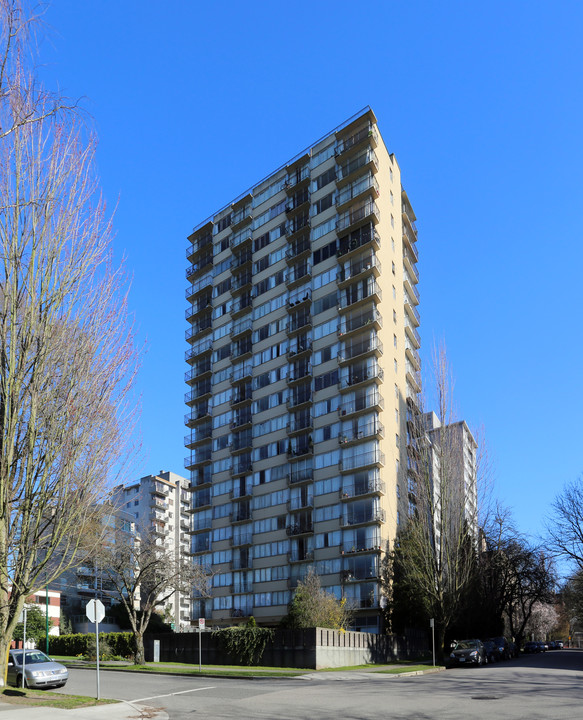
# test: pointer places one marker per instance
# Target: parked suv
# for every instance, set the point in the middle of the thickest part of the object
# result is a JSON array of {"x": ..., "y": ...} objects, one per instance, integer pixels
[{"x": 502, "y": 646}]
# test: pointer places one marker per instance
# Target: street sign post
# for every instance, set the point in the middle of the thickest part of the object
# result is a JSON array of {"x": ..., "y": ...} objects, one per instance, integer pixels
[
  {"x": 432, "y": 626},
  {"x": 95, "y": 612},
  {"x": 201, "y": 626}
]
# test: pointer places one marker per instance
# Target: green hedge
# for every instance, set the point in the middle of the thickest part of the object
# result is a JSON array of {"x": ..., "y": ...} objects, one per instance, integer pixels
[{"x": 121, "y": 644}]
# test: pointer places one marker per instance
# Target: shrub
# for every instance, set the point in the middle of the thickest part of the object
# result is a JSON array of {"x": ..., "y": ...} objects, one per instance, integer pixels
[{"x": 244, "y": 645}]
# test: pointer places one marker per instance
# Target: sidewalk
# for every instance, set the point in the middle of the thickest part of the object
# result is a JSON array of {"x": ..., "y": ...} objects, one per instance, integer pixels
[{"x": 117, "y": 711}]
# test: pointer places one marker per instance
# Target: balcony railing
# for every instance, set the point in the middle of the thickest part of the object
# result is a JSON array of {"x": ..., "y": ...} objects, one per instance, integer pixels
[
  {"x": 363, "y": 518},
  {"x": 241, "y": 327},
  {"x": 362, "y": 265},
  {"x": 302, "y": 528},
  {"x": 241, "y": 539},
  {"x": 360, "y": 376},
  {"x": 366, "y": 184},
  {"x": 363, "y": 432},
  {"x": 299, "y": 273},
  {"x": 350, "y": 351},
  {"x": 199, "y": 285},
  {"x": 369, "y": 402},
  {"x": 357, "y": 215},
  {"x": 370, "y": 487},
  {"x": 367, "y": 158},
  {"x": 296, "y": 399},
  {"x": 299, "y": 322},
  {"x": 369, "y": 133},
  {"x": 362, "y": 460},
  {"x": 298, "y": 476},
  {"x": 349, "y": 298}
]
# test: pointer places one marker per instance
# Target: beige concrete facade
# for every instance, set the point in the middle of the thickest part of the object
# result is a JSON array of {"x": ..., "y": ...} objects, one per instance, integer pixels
[{"x": 303, "y": 355}]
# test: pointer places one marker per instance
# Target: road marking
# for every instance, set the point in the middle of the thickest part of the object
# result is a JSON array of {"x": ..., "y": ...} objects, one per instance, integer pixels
[{"x": 180, "y": 692}]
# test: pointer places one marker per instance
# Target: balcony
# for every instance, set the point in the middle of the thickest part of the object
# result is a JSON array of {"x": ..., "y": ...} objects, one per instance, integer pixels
[
  {"x": 300, "y": 503},
  {"x": 297, "y": 177},
  {"x": 241, "y": 514},
  {"x": 298, "y": 349},
  {"x": 300, "y": 449},
  {"x": 242, "y": 441},
  {"x": 302, "y": 475},
  {"x": 371, "y": 487},
  {"x": 196, "y": 246},
  {"x": 197, "y": 414},
  {"x": 199, "y": 349},
  {"x": 297, "y": 225},
  {"x": 366, "y": 160},
  {"x": 242, "y": 259},
  {"x": 359, "y": 269},
  {"x": 243, "y": 304},
  {"x": 241, "y": 327},
  {"x": 238, "y": 398},
  {"x": 203, "y": 263},
  {"x": 412, "y": 311},
  {"x": 413, "y": 377},
  {"x": 298, "y": 201},
  {"x": 198, "y": 286},
  {"x": 242, "y": 238},
  {"x": 374, "y": 401},
  {"x": 410, "y": 266},
  {"x": 299, "y": 322},
  {"x": 411, "y": 288},
  {"x": 296, "y": 400},
  {"x": 413, "y": 357},
  {"x": 369, "y": 318},
  {"x": 197, "y": 436},
  {"x": 241, "y": 467},
  {"x": 241, "y": 216},
  {"x": 413, "y": 334},
  {"x": 242, "y": 588},
  {"x": 362, "y": 461},
  {"x": 298, "y": 274},
  {"x": 349, "y": 244},
  {"x": 354, "y": 216},
  {"x": 200, "y": 501},
  {"x": 298, "y": 248},
  {"x": 299, "y": 298},
  {"x": 362, "y": 518},
  {"x": 353, "y": 350},
  {"x": 356, "y": 295},
  {"x": 201, "y": 457},
  {"x": 241, "y": 493},
  {"x": 408, "y": 214},
  {"x": 244, "y": 371},
  {"x": 367, "y": 134},
  {"x": 368, "y": 184},
  {"x": 203, "y": 367},
  {"x": 242, "y": 348},
  {"x": 200, "y": 522},
  {"x": 301, "y": 528},
  {"x": 241, "y": 282},
  {"x": 200, "y": 390},
  {"x": 200, "y": 477},
  {"x": 362, "y": 432},
  {"x": 357, "y": 377},
  {"x": 375, "y": 544},
  {"x": 241, "y": 564},
  {"x": 242, "y": 418},
  {"x": 409, "y": 239},
  {"x": 302, "y": 423},
  {"x": 299, "y": 371},
  {"x": 301, "y": 557},
  {"x": 241, "y": 540}
]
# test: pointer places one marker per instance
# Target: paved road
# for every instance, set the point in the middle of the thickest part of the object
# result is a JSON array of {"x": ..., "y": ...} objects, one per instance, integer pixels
[{"x": 537, "y": 687}]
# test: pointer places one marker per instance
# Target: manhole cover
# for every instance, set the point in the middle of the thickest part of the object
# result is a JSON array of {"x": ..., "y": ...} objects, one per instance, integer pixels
[{"x": 486, "y": 697}]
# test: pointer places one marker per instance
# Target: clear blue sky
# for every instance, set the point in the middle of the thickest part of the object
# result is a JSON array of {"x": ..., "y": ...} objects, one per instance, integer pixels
[{"x": 480, "y": 102}]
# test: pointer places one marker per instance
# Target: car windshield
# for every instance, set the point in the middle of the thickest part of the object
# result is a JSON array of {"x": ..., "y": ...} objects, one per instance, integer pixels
[
  {"x": 465, "y": 645},
  {"x": 32, "y": 656}
]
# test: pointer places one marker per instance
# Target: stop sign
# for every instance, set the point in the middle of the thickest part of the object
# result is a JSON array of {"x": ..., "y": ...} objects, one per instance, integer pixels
[{"x": 95, "y": 611}]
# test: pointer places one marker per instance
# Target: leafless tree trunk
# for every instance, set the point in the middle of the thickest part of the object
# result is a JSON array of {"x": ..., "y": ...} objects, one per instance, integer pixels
[
  {"x": 436, "y": 549},
  {"x": 67, "y": 357},
  {"x": 145, "y": 574}
]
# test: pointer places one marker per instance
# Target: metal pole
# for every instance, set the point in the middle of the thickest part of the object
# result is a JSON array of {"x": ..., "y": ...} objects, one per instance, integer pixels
[
  {"x": 199, "y": 650},
  {"x": 97, "y": 651},
  {"x": 24, "y": 648},
  {"x": 47, "y": 621}
]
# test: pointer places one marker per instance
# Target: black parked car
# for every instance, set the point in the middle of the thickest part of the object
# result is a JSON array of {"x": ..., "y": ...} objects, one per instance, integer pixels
[
  {"x": 531, "y": 647},
  {"x": 492, "y": 652},
  {"x": 467, "y": 652},
  {"x": 503, "y": 647}
]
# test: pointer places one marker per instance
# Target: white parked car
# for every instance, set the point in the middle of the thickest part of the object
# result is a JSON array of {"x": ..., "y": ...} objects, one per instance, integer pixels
[{"x": 39, "y": 670}]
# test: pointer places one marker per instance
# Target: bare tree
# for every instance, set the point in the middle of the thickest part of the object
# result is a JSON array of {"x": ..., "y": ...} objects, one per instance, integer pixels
[
  {"x": 145, "y": 574},
  {"x": 565, "y": 528},
  {"x": 435, "y": 552},
  {"x": 67, "y": 355}
]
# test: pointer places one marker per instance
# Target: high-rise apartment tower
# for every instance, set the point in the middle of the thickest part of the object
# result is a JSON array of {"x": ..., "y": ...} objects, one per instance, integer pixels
[{"x": 303, "y": 354}]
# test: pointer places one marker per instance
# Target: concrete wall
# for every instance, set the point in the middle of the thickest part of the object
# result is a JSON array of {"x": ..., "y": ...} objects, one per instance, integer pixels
[{"x": 315, "y": 648}]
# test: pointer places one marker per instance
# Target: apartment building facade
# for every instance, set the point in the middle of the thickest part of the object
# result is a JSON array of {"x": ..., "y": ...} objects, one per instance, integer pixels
[
  {"x": 303, "y": 362},
  {"x": 160, "y": 505}
]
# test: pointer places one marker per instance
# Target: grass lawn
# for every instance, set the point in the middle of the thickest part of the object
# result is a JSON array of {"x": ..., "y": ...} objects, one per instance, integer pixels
[{"x": 34, "y": 698}]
